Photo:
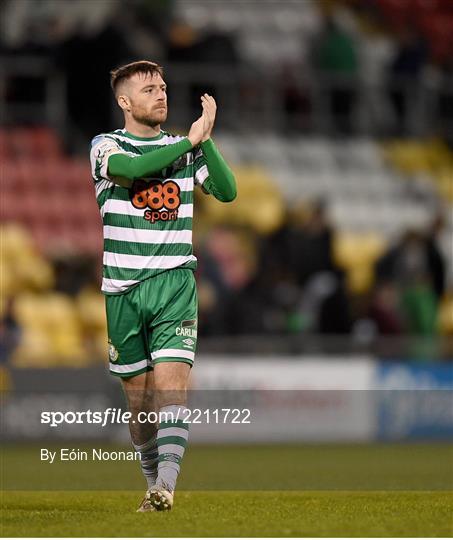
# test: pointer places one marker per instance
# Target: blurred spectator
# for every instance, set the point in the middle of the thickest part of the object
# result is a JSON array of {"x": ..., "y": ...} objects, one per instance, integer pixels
[
  {"x": 335, "y": 312},
  {"x": 213, "y": 46},
  {"x": 335, "y": 58},
  {"x": 416, "y": 267},
  {"x": 296, "y": 100},
  {"x": 86, "y": 59},
  {"x": 405, "y": 70},
  {"x": 298, "y": 259},
  {"x": 155, "y": 15},
  {"x": 182, "y": 42},
  {"x": 302, "y": 247},
  {"x": 228, "y": 267},
  {"x": 384, "y": 309},
  {"x": 445, "y": 102},
  {"x": 313, "y": 252},
  {"x": 213, "y": 49}
]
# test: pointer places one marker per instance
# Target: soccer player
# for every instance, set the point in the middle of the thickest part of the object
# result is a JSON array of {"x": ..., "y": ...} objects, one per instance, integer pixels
[{"x": 144, "y": 179}]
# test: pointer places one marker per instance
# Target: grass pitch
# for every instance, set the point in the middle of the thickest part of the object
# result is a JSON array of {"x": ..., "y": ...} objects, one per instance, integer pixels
[
  {"x": 285, "y": 490},
  {"x": 219, "y": 513}
]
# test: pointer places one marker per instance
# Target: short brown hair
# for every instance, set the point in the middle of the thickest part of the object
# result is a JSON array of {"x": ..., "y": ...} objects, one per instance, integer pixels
[{"x": 123, "y": 73}]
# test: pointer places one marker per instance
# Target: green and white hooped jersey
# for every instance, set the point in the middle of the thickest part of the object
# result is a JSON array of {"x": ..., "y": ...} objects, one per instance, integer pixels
[{"x": 148, "y": 227}]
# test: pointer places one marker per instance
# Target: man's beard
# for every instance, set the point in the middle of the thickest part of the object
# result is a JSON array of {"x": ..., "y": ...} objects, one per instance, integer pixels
[{"x": 152, "y": 119}]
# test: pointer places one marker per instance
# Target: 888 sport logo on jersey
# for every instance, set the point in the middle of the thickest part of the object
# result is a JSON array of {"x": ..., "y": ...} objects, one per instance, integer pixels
[{"x": 160, "y": 200}]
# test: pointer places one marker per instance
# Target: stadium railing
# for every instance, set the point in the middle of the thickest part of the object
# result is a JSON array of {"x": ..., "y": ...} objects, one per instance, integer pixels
[{"x": 253, "y": 98}]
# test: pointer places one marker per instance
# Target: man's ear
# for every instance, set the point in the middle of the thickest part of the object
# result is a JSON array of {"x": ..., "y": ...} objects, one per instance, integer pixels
[{"x": 124, "y": 102}]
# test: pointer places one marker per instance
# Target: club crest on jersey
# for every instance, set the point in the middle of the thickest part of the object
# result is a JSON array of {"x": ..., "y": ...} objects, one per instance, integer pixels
[
  {"x": 160, "y": 200},
  {"x": 113, "y": 352}
]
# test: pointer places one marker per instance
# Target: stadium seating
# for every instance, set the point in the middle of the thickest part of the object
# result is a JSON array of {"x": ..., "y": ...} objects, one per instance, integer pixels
[
  {"x": 365, "y": 190},
  {"x": 48, "y": 206},
  {"x": 432, "y": 159},
  {"x": 356, "y": 254},
  {"x": 369, "y": 189},
  {"x": 48, "y": 192},
  {"x": 22, "y": 267},
  {"x": 374, "y": 193},
  {"x": 256, "y": 185},
  {"x": 292, "y": 25},
  {"x": 52, "y": 333}
]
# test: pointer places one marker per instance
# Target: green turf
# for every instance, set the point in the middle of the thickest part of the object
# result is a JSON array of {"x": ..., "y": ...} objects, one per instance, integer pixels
[
  {"x": 225, "y": 514},
  {"x": 271, "y": 490},
  {"x": 277, "y": 467}
]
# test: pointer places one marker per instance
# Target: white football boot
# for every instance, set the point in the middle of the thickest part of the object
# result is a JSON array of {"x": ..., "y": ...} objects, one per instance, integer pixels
[
  {"x": 160, "y": 498},
  {"x": 146, "y": 505}
]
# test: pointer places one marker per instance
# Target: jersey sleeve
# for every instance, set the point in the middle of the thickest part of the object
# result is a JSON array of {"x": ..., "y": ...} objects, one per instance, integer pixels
[
  {"x": 212, "y": 173},
  {"x": 102, "y": 147},
  {"x": 201, "y": 172}
]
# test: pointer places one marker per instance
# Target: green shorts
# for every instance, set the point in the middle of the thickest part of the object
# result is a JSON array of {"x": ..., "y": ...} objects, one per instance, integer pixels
[{"x": 156, "y": 321}]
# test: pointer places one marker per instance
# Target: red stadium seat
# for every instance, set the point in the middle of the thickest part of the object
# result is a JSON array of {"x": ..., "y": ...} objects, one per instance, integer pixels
[
  {"x": 45, "y": 142},
  {"x": 29, "y": 143},
  {"x": 5, "y": 152},
  {"x": 396, "y": 12},
  {"x": 438, "y": 29},
  {"x": 8, "y": 211},
  {"x": 20, "y": 142},
  {"x": 10, "y": 176},
  {"x": 41, "y": 236}
]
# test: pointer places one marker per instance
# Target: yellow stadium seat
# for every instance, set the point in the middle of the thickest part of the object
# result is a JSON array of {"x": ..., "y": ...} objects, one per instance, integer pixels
[
  {"x": 51, "y": 330},
  {"x": 259, "y": 203},
  {"x": 23, "y": 268},
  {"x": 446, "y": 315},
  {"x": 34, "y": 349},
  {"x": 5, "y": 379},
  {"x": 357, "y": 253},
  {"x": 432, "y": 157},
  {"x": 91, "y": 309},
  {"x": 91, "y": 312}
]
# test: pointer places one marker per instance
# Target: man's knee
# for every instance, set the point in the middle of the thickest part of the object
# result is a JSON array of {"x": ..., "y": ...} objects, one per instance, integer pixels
[
  {"x": 139, "y": 390},
  {"x": 140, "y": 397},
  {"x": 171, "y": 375},
  {"x": 170, "y": 382},
  {"x": 137, "y": 382}
]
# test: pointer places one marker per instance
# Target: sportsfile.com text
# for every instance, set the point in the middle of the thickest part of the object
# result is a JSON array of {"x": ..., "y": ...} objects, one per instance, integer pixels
[{"x": 118, "y": 416}]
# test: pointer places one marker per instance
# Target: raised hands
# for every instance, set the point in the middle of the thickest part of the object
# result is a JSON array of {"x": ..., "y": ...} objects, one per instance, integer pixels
[
  {"x": 209, "y": 111},
  {"x": 197, "y": 130},
  {"x": 201, "y": 129}
]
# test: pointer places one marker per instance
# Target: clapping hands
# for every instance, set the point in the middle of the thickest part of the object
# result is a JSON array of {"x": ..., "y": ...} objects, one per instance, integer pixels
[
  {"x": 209, "y": 111},
  {"x": 201, "y": 129}
]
